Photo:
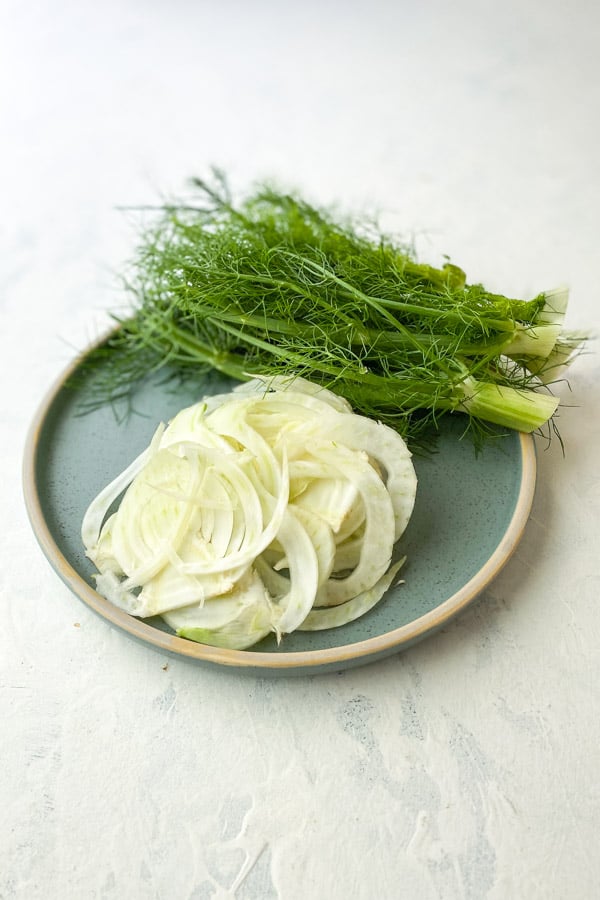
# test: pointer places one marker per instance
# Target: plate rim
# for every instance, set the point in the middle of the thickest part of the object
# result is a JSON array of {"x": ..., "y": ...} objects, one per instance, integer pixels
[{"x": 297, "y": 660}]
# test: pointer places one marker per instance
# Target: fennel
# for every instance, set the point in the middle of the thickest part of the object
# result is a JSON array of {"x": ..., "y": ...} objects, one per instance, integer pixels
[
  {"x": 273, "y": 285},
  {"x": 267, "y": 510}
]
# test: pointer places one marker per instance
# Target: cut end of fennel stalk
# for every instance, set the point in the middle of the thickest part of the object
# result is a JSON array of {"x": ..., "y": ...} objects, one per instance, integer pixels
[
  {"x": 544, "y": 348},
  {"x": 268, "y": 510},
  {"x": 521, "y": 410},
  {"x": 536, "y": 341}
]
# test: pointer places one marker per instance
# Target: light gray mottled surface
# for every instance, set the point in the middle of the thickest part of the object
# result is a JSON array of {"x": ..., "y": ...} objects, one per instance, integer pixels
[{"x": 466, "y": 767}]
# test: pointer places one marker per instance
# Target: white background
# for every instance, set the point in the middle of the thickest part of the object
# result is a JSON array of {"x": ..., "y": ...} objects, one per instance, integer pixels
[{"x": 466, "y": 767}]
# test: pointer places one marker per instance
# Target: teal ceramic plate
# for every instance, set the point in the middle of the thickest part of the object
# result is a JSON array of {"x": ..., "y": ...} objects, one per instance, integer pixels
[{"x": 469, "y": 516}]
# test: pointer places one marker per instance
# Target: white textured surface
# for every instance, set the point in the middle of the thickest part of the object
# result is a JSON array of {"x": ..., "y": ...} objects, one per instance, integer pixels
[{"x": 466, "y": 767}]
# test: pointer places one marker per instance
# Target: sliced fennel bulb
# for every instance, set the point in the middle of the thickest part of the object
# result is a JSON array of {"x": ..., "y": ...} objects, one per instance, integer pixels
[{"x": 267, "y": 510}]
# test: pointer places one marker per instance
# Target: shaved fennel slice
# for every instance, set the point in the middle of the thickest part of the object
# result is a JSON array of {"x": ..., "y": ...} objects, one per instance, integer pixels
[
  {"x": 104, "y": 557},
  {"x": 180, "y": 583},
  {"x": 347, "y": 554},
  {"x": 378, "y": 539},
  {"x": 322, "y": 540},
  {"x": 303, "y": 566},
  {"x": 386, "y": 447},
  {"x": 258, "y": 535},
  {"x": 98, "y": 508},
  {"x": 332, "y": 499},
  {"x": 110, "y": 586},
  {"x": 281, "y": 417},
  {"x": 229, "y": 420},
  {"x": 311, "y": 402},
  {"x": 145, "y": 537},
  {"x": 155, "y": 515},
  {"x": 255, "y": 386},
  {"x": 156, "y": 536},
  {"x": 353, "y": 524},
  {"x": 303, "y": 472},
  {"x": 236, "y": 620},
  {"x": 189, "y": 427},
  {"x": 171, "y": 589},
  {"x": 321, "y": 618},
  {"x": 294, "y": 384},
  {"x": 251, "y": 388}
]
